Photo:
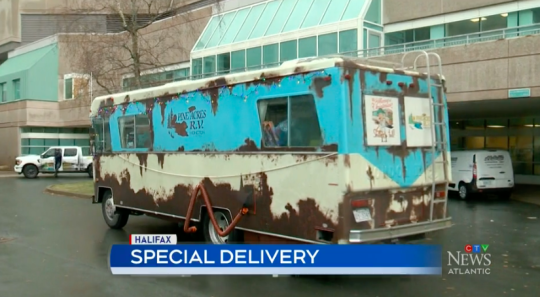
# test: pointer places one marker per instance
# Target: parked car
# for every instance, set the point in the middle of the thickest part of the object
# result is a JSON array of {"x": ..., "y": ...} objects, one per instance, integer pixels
[
  {"x": 73, "y": 161},
  {"x": 482, "y": 171}
]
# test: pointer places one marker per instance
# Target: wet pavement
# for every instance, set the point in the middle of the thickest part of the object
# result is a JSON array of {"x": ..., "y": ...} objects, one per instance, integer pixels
[{"x": 58, "y": 246}]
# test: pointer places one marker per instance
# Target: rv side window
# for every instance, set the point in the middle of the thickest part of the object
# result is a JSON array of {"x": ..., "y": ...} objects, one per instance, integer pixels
[
  {"x": 290, "y": 122},
  {"x": 134, "y": 131},
  {"x": 102, "y": 139}
]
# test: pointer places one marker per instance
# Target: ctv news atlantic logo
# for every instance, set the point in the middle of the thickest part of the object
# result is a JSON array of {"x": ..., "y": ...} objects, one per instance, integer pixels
[{"x": 474, "y": 260}]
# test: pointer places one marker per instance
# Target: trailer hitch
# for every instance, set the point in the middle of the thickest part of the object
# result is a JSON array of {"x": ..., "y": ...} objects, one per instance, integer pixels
[{"x": 199, "y": 189}]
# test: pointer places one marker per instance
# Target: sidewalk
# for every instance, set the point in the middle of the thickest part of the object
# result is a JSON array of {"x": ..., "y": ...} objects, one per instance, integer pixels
[
  {"x": 8, "y": 174},
  {"x": 527, "y": 194}
]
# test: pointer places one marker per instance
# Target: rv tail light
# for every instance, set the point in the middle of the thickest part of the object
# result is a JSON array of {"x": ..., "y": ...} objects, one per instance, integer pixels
[
  {"x": 360, "y": 203},
  {"x": 388, "y": 82},
  {"x": 440, "y": 194},
  {"x": 401, "y": 84},
  {"x": 347, "y": 76},
  {"x": 411, "y": 86}
]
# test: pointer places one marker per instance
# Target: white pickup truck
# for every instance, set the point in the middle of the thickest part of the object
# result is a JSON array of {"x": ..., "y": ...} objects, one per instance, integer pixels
[{"x": 73, "y": 161}]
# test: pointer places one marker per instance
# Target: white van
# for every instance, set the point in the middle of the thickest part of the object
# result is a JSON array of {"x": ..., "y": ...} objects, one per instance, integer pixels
[{"x": 482, "y": 171}]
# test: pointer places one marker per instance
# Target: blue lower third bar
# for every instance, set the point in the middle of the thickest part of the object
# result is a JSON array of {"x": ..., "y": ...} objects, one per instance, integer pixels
[{"x": 276, "y": 270}]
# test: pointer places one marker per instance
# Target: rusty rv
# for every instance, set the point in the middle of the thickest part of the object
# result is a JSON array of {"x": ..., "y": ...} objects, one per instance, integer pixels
[{"x": 323, "y": 150}]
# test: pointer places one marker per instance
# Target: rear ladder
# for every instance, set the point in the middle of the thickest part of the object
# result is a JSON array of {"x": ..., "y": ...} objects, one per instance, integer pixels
[{"x": 436, "y": 123}]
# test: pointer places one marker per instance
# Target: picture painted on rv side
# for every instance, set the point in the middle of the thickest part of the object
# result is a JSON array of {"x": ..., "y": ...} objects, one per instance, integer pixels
[
  {"x": 382, "y": 120},
  {"x": 418, "y": 115}
]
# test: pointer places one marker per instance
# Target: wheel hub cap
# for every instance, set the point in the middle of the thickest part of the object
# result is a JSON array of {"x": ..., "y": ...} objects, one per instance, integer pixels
[
  {"x": 223, "y": 224},
  {"x": 110, "y": 209}
]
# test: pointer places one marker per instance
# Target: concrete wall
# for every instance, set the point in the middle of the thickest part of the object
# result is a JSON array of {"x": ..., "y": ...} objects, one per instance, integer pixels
[
  {"x": 405, "y": 10},
  {"x": 9, "y": 146}
]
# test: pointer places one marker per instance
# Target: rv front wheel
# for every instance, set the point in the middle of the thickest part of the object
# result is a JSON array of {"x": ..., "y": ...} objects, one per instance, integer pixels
[
  {"x": 115, "y": 218},
  {"x": 463, "y": 191}
]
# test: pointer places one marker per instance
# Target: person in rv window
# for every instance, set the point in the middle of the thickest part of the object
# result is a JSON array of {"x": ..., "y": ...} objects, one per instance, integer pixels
[
  {"x": 57, "y": 161},
  {"x": 281, "y": 131}
]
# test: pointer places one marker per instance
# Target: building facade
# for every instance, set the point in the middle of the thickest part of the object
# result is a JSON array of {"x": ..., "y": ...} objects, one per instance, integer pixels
[{"x": 489, "y": 51}]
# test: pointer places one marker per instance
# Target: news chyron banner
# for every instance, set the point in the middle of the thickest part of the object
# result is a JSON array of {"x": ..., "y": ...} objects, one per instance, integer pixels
[{"x": 161, "y": 255}]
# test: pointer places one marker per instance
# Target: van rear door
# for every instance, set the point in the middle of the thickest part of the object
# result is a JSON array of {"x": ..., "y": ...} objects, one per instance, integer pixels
[{"x": 494, "y": 169}]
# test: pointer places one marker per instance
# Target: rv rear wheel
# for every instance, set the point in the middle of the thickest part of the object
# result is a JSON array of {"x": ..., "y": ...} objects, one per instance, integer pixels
[
  {"x": 463, "y": 191},
  {"x": 115, "y": 218},
  {"x": 223, "y": 220}
]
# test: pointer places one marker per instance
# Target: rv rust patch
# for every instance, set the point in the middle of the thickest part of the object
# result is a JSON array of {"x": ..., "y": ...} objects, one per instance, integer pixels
[{"x": 319, "y": 83}]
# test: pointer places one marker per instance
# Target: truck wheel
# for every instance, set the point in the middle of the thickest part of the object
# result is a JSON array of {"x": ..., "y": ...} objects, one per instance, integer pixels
[
  {"x": 30, "y": 171},
  {"x": 463, "y": 191},
  {"x": 223, "y": 219},
  {"x": 90, "y": 171},
  {"x": 115, "y": 218}
]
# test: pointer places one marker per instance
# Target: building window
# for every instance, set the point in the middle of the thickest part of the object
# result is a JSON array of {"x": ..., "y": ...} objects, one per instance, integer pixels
[
  {"x": 302, "y": 129},
  {"x": 196, "y": 67},
  {"x": 238, "y": 61},
  {"x": 327, "y": 44},
  {"x": 134, "y": 131},
  {"x": 223, "y": 63},
  {"x": 209, "y": 65},
  {"x": 307, "y": 47},
  {"x": 348, "y": 41},
  {"x": 16, "y": 89},
  {"x": 270, "y": 55},
  {"x": 462, "y": 27},
  {"x": 253, "y": 58},
  {"x": 374, "y": 12},
  {"x": 3, "y": 92},
  {"x": 68, "y": 88},
  {"x": 493, "y": 22},
  {"x": 288, "y": 50}
]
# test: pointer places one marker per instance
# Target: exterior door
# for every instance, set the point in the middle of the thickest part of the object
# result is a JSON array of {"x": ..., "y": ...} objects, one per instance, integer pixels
[
  {"x": 47, "y": 160},
  {"x": 70, "y": 160}
]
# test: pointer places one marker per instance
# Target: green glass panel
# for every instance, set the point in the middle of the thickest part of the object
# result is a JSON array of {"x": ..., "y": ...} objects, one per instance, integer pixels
[
  {"x": 298, "y": 15},
  {"x": 315, "y": 13},
  {"x": 374, "y": 40},
  {"x": 265, "y": 19},
  {"x": 334, "y": 11},
  {"x": 67, "y": 141},
  {"x": 238, "y": 21},
  {"x": 354, "y": 9},
  {"x": 281, "y": 17},
  {"x": 26, "y": 130},
  {"x": 209, "y": 65},
  {"x": 51, "y": 142},
  {"x": 307, "y": 47},
  {"x": 348, "y": 41},
  {"x": 374, "y": 12},
  {"x": 181, "y": 74},
  {"x": 37, "y": 150},
  {"x": 288, "y": 50},
  {"x": 36, "y": 130},
  {"x": 68, "y": 86},
  {"x": 238, "y": 61},
  {"x": 37, "y": 142},
  {"x": 327, "y": 44},
  {"x": 85, "y": 151},
  {"x": 254, "y": 58},
  {"x": 223, "y": 63},
  {"x": 50, "y": 130},
  {"x": 207, "y": 34},
  {"x": 25, "y": 150},
  {"x": 25, "y": 141},
  {"x": 82, "y": 142},
  {"x": 223, "y": 26},
  {"x": 196, "y": 66},
  {"x": 251, "y": 19},
  {"x": 270, "y": 54}
]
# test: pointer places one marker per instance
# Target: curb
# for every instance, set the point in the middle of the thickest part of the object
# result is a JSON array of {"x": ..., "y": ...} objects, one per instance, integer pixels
[
  {"x": 525, "y": 200},
  {"x": 67, "y": 194}
]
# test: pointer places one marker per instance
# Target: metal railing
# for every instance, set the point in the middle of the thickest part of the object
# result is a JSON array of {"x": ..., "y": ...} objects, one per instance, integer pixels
[{"x": 426, "y": 45}]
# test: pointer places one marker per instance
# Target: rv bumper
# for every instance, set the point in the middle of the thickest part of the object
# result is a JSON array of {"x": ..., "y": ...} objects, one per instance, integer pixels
[{"x": 384, "y": 234}]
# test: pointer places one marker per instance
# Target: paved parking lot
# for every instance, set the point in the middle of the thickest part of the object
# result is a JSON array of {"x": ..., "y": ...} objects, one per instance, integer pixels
[{"x": 58, "y": 246}]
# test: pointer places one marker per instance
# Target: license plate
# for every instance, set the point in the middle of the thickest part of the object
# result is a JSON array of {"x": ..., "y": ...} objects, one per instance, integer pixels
[
  {"x": 362, "y": 215},
  {"x": 488, "y": 183}
]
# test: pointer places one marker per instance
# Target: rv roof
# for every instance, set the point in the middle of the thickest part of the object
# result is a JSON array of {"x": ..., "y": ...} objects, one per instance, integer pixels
[{"x": 287, "y": 68}]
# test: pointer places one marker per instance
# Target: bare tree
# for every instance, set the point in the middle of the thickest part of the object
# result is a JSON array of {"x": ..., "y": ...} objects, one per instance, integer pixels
[{"x": 141, "y": 41}]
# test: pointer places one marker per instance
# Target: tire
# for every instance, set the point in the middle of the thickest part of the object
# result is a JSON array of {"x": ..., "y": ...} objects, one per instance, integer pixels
[
  {"x": 463, "y": 191},
  {"x": 30, "y": 171},
  {"x": 114, "y": 218},
  {"x": 224, "y": 220},
  {"x": 90, "y": 170}
]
